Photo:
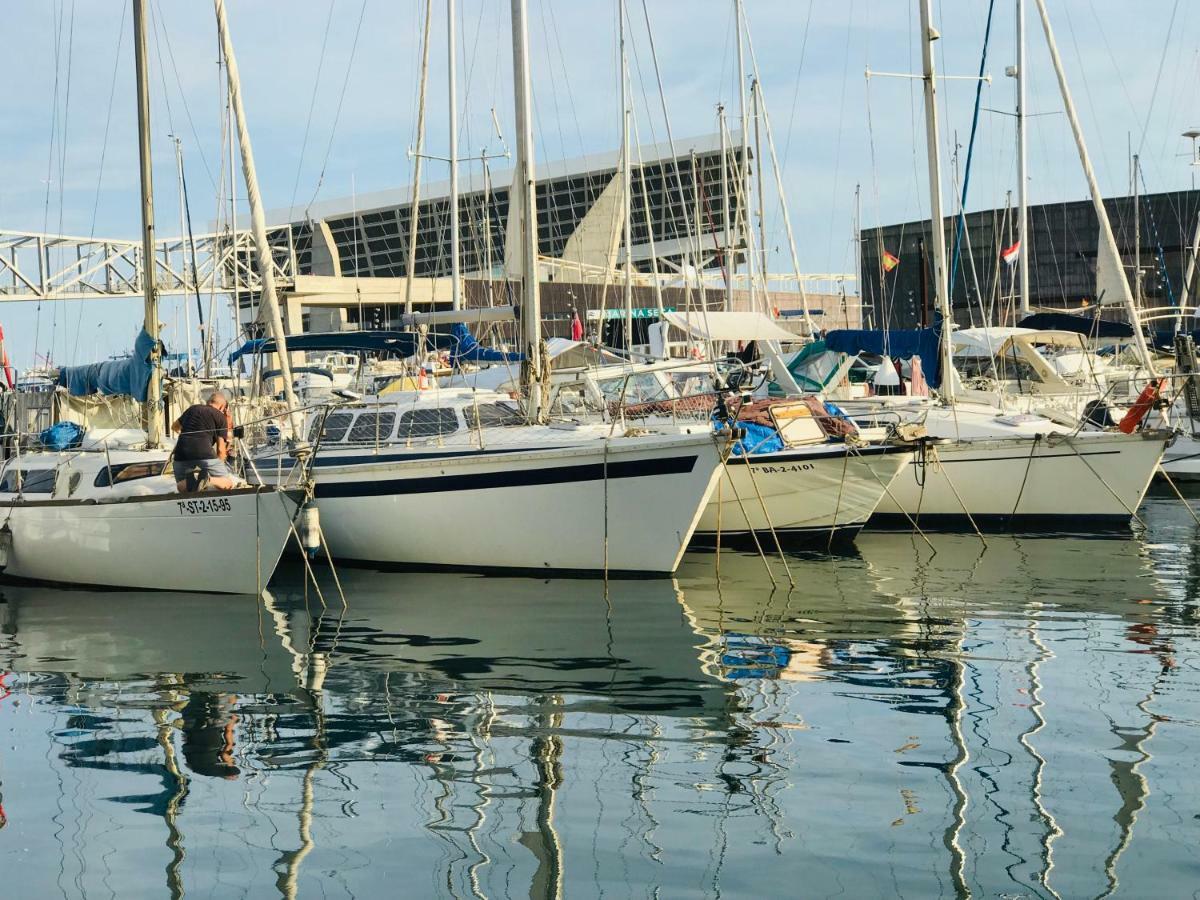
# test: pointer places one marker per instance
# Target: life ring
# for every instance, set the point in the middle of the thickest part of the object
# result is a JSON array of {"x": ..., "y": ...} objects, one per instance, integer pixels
[{"x": 1141, "y": 406}]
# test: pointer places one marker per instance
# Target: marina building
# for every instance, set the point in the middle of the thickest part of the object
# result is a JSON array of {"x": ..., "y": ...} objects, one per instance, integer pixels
[
  {"x": 679, "y": 198},
  {"x": 1153, "y": 236}
]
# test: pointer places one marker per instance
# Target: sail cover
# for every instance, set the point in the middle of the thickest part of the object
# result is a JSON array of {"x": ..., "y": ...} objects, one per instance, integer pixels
[
  {"x": 395, "y": 344},
  {"x": 130, "y": 376},
  {"x": 468, "y": 349},
  {"x": 1093, "y": 326},
  {"x": 922, "y": 342}
]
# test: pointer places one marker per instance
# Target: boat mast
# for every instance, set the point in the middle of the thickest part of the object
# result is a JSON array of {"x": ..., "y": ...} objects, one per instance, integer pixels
[
  {"x": 1106, "y": 232},
  {"x": 418, "y": 158},
  {"x": 937, "y": 228},
  {"x": 626, "y": 181},
  {"x": 756, "y": 93},
  {"x": 1022, "y": 174},
  {"x": 1137, "y": 233},
  {"x": 858, "y": 272},
  {"x": 743, "y": 182},
  {"x": 187, "y": 318},
  {"x": 526, "y": 206},
  {"x": 258, "y": 224},
  {"x": 452, "y": 78},
  {"x": 151, "y": 414},
  {"x": 725, "y": 243}
]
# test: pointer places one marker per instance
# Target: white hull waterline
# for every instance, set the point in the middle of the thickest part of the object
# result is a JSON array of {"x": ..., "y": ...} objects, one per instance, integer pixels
[
  {"x": 218, "y": 542},
  {"x": 1060, "y": 482},
  {"x": 810, "y": 493},
  {"x": 621, "y": 505}
]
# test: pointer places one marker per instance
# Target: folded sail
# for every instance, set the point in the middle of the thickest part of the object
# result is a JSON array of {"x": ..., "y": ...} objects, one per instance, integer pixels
[{"x": 129, "y": 376}]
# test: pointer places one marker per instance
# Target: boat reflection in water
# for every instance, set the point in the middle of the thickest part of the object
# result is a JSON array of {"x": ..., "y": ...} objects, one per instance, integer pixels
[
  {"x": 1017, "y": 688},
  {"x": 1012, "y": 720}
]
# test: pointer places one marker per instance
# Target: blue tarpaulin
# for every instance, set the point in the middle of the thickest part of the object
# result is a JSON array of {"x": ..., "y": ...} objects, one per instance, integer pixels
[
  {"x": 467, "y": 349},
  {"x": 62, "y": 436},
  {"x": 129, "y": 376},
  {"x": 922, "y": 342},
  {"x": 758, "y": 439}
]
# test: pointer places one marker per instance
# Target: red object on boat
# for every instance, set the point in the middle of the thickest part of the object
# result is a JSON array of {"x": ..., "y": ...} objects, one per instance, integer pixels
[
  {"x": 8, "y": 372},
  {"x": 1141, "y": 406}
]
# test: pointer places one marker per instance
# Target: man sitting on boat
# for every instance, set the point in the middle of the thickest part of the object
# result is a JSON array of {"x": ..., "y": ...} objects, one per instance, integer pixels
[{"x": 202, "y": 446}]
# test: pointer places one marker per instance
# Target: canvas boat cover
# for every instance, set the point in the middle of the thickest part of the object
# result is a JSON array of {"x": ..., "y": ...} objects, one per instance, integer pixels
[
  {"x": 899, "y": 344},
  {"x": 729, "y": 326},
  {"x": 129, "y": 376}
]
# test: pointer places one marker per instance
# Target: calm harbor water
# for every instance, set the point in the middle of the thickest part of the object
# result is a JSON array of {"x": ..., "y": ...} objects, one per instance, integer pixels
[{"x": 1016, "y": 721}]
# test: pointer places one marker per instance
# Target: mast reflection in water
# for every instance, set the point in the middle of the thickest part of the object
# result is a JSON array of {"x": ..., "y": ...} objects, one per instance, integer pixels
[{"x": 1013, "y": 721}]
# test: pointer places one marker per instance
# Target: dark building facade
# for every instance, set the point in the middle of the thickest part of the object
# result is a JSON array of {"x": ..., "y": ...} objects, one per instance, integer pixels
[{"x": 1063, "y": 238}]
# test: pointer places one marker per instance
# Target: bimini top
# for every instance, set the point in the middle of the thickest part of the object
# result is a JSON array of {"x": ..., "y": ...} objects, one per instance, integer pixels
[
  {"x": 729, "y": 326},
  {"x": 390, "y": 343}
]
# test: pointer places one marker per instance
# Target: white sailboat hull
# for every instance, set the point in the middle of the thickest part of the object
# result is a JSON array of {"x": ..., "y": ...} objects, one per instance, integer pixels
[
  {"x": 806, "y": 493},
  {"x": 217, "y": 542},
  {"x": 625, "y": 505},
  {"x": 1182, "y": 459},
  {"x": 1062, "y": 482}
]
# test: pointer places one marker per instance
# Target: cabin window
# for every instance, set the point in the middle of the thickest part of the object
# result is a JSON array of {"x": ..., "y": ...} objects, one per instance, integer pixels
[
  {"x": 336, "y": 425},
  {"x": 492, "y": 415},
  {"x": 371, "y": 427},
  {"x": 641, "y": 388},
  {"x": 427, "y": 423},
  {"x": 36, "y": 481},
  {"x": 111, "y": 475}
]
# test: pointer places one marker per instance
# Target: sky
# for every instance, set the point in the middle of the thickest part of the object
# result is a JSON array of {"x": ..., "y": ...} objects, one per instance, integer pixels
[{"x": 330, "y": 93}]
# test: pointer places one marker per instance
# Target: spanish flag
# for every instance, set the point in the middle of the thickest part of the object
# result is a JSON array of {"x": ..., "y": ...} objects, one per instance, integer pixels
[{"x": 890, "y": 262}]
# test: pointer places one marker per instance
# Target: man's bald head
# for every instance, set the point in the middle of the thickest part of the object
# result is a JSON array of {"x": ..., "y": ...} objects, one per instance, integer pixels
[{"x": 218, "y": 400}]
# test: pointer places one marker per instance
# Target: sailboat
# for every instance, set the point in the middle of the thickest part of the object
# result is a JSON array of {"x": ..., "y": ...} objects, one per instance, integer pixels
[
  {"x": 112, "y": 516},
  {"x": 458, "y": 478},
  {"x": 983, "y": 466}
]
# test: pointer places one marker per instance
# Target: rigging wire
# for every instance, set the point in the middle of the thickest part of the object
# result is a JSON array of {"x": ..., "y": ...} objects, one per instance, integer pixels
[
  {"x": 1158, "y": 77},
  {"x": 312, "y": 102},
  {"x": 187, "y": 110},
  {"x": 112, "y": 93},
  {"x": 338, "y": 112},
  {"x": 962, "y": 204}
]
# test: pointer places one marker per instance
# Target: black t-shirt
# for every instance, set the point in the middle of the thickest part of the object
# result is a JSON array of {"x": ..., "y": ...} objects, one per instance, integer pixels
[{"x": 200, "y": 426}]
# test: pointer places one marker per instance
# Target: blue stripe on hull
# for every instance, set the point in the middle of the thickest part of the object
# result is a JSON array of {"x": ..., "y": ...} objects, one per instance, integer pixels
[
  {"x": 675, "y": 465},
  {"x": 999, "y": 522}
]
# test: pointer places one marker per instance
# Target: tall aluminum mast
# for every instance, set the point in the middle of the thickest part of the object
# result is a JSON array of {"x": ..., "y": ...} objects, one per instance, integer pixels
[
  {"x": 452, "y": 78},
  {"x": 626, "y": 181},
  {"x": 258, "y": 224},
  {"x": 526, "y": 206},
  {"x": 151, "y": 412},
  {"x": 1022, "y": 173},
  {"x": 936, "y": 223}
]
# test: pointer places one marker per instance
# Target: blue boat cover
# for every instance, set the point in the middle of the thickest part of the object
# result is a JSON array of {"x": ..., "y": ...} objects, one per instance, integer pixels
[
  {"x": 62, "y": 436},
  {"x": 467, "y": 349},
  {"x": 758, "y": 439},
  {"x": 129, "y": 376},
  {"x": 922, "y": 342},
  {"x": 1093, "y": 326},
  {"x": 390, "y": 343}
]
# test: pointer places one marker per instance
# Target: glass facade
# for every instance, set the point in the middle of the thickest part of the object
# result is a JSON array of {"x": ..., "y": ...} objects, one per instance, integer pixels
[{"x": 1062, "y": 259}]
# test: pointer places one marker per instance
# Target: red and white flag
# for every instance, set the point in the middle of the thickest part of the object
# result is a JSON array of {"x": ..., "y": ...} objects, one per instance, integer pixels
[{"x": 1010, "y": 254}]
